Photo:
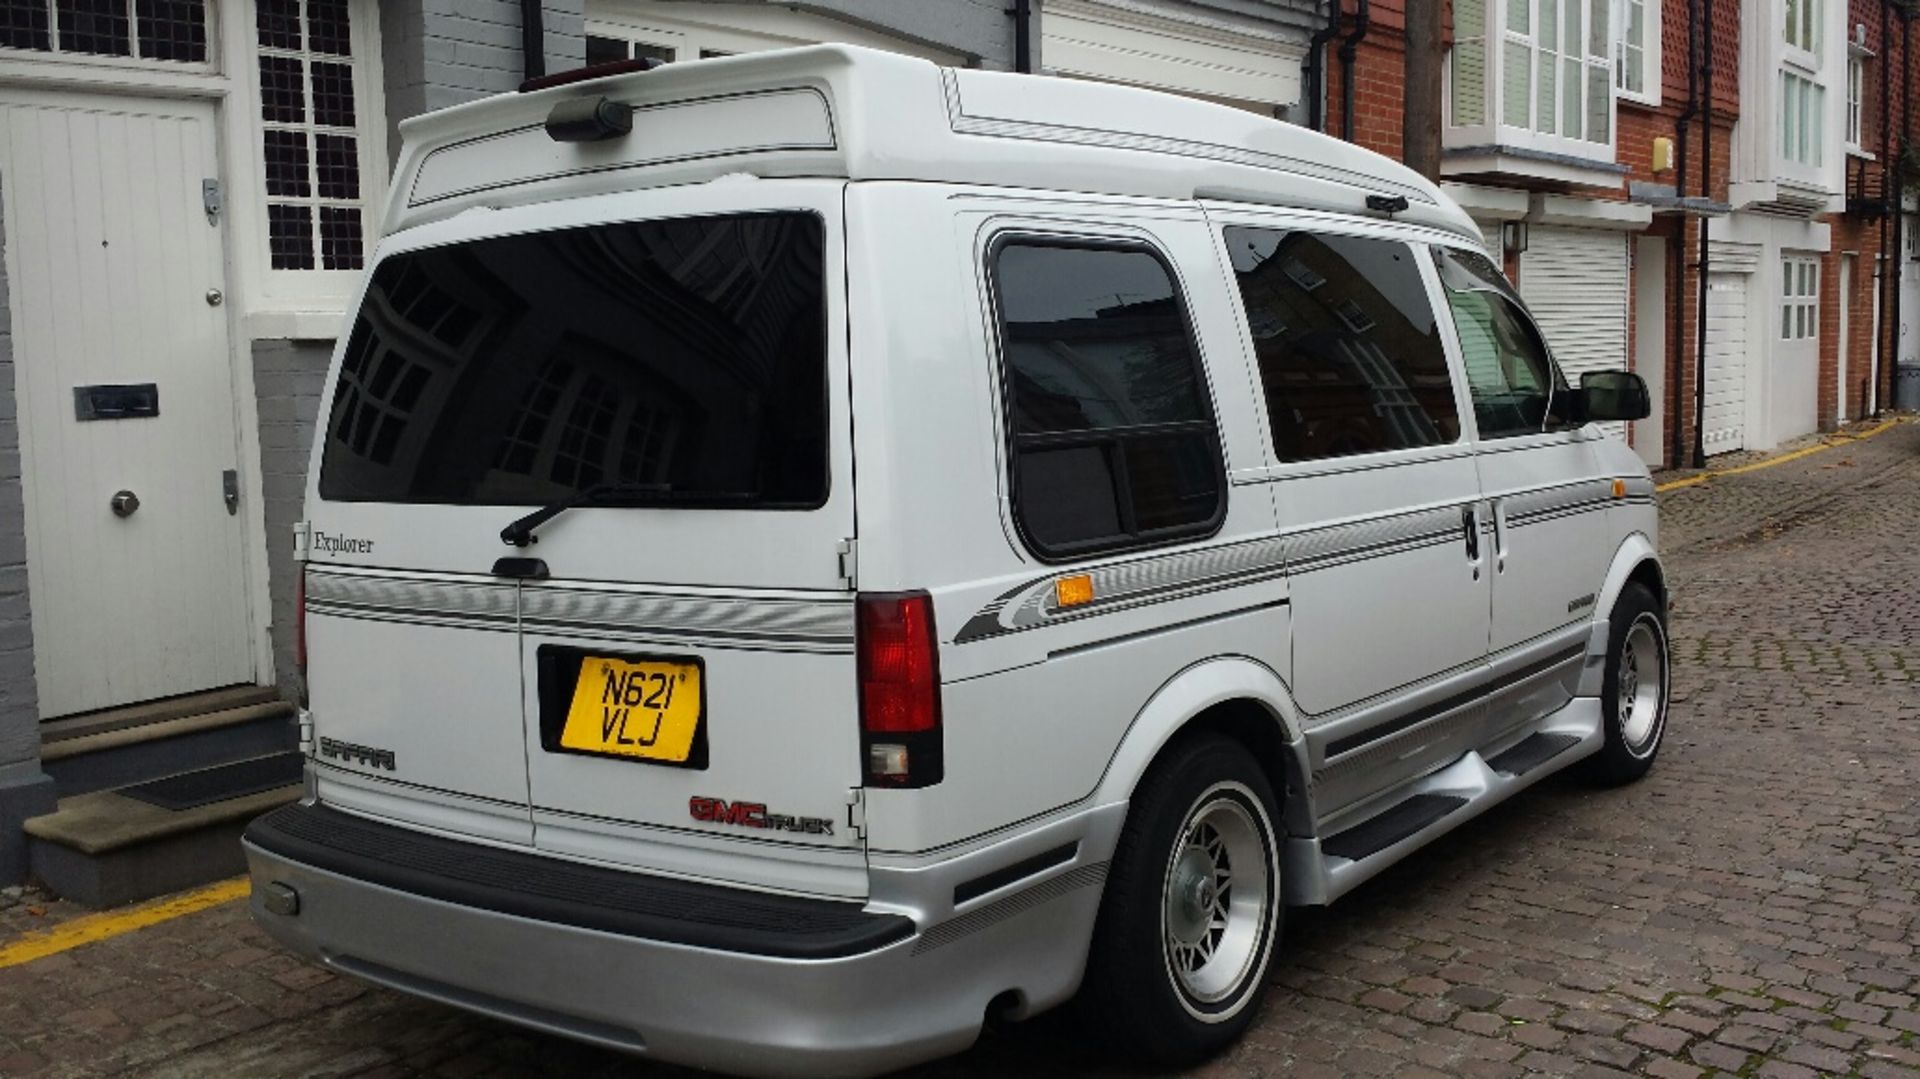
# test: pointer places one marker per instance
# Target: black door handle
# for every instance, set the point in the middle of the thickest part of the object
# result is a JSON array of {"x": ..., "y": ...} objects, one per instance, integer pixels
[{"x": 1470, "y": 523}]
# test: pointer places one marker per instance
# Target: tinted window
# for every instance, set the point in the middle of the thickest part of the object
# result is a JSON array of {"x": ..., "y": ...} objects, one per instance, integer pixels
[
  {"x": 1512, "y": 379},
  {"x": 683, "y": 360},
  {"x": 1113, "y": 443},
  {"x": 1349, "y": 351}
]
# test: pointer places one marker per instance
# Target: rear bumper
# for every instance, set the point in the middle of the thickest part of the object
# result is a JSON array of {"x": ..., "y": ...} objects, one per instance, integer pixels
[{"x": 881, "y": 992}]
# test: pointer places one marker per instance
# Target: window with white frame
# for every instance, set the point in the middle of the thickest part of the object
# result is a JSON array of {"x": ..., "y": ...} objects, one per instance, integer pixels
[
  {"x": 1636, "y": 61},
  {"x": 1802, "y": 118},
  {"x": 1554, "y": 63},
  {"x": 174, "y": 31},
  {"x": 1803, "y": 24},
  {"x": 1799, "y": 298},
  {"x": 1856, "y": 80},
  {"x": 312, "y": 132}
]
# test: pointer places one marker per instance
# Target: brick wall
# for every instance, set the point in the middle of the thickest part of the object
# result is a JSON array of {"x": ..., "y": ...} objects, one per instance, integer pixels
[{"x": 288, "y": 377}]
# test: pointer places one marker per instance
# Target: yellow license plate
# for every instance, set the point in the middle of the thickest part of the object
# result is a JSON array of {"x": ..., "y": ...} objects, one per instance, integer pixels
[{"x": 648, "y": 709}]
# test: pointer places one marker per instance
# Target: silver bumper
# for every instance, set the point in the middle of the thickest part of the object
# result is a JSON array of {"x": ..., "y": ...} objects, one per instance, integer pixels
[{"x": 910, "y": 1001}]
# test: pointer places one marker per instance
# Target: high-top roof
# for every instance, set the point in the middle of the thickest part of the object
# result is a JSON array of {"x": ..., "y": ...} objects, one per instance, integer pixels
[{"x": 837, "y": 110}]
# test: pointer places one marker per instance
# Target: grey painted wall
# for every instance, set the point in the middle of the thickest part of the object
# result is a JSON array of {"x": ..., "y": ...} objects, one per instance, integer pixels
[
  {"x": 25, "y": 790},
  {"x": 438, "y": 53},
  {"x": 288, "y": 377}
]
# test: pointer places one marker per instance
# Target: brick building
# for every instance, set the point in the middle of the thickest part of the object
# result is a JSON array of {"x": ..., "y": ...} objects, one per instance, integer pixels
[{"x": 1596, "y": 168}]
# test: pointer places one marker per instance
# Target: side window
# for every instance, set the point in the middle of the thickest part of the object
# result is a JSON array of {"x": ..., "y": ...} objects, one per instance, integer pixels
[
  {"x": 1513, "y": 379},
  {"x": 1349, "y": 349},
  {"x": 1113, "y": 442}
]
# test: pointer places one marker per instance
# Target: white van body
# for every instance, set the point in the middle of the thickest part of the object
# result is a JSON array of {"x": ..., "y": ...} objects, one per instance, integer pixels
[{"x": 1402, "y": 625}]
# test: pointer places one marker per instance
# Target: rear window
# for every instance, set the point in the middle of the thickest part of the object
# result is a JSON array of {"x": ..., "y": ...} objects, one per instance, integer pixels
[{"x": 678, "y": 362}]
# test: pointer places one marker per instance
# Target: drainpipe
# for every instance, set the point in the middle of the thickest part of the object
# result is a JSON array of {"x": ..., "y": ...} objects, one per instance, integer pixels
[
  {"x": 1888, "y": 325},
  {"x": 1676, "y": 441},
  {"x": 1706, "y": 256},
  {"x": 1022, "y": 42},
  {"x": 1349, "y": 49},
  {"x": 1897, "y": 256},
  {"x": 1317, "y": 66},
  {"x": 533, "y": 39}
]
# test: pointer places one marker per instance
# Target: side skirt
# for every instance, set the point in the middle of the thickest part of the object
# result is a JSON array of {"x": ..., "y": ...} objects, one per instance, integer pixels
[{"x": 1366, "y": 840}]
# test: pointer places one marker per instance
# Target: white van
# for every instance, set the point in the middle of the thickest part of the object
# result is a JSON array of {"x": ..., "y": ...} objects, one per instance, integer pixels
[{"x": 806, "y": 552}]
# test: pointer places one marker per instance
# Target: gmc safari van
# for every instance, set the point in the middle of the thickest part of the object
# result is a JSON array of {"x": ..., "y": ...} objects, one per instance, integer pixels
[{"x": 807, "y": 552}]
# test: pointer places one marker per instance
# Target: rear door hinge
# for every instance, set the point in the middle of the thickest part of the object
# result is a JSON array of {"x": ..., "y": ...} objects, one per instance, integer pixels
[
  {"x": 849, "y": 551},
  {"x": 301, "y": 538},
  {"x": 857, "y": 812}
]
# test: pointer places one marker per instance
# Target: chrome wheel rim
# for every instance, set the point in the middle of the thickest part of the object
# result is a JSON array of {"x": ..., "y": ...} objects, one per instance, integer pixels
[
  {"x": 1215, "y": 900},
  {"x": 1642, "y": 684}
]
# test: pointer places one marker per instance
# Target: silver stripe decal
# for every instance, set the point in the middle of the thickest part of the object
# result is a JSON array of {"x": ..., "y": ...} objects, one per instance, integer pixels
[
  {"x": 790, "y": 624},
  {"x": 411, "y": 598}
]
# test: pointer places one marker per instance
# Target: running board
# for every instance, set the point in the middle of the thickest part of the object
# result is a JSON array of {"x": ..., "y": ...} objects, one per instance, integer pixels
[{"x": 1321, "y": 869}]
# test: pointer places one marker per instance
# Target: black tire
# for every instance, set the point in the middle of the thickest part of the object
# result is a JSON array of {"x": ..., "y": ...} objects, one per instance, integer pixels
[
  {"x": 1132, "y": 995},
  {"x": 1630, "y": 748}
]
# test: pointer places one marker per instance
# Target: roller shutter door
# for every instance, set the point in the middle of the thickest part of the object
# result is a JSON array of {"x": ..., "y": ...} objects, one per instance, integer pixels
[
  {"x": 1724, "y": 428},
  {"x": 1576, "y": 283}
]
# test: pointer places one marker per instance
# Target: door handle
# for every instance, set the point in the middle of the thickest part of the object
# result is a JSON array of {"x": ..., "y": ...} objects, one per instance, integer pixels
[
  {"x": 1470, "y": 524},
  {"x": 230, "y": 490},
  {"x": 1500, "y": 537}
]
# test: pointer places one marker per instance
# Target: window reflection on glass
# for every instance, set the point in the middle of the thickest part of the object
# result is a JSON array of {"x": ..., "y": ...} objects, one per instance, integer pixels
[
  {"x": 1353, "y": 364},
  {"x": 1513, "y": 381},
  {"x": 684, "y": 356},
  {"x": 1113, "y": 442}
]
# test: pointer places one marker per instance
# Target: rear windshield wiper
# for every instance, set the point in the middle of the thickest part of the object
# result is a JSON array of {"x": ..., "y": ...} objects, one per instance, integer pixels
[{"x": 520, "y": 532}]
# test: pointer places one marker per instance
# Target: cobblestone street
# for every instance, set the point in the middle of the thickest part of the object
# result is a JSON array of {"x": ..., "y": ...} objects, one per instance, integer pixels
[{"x": 1751, "y": 908}]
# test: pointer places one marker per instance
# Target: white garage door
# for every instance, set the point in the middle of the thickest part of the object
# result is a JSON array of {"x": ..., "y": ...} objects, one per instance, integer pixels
[
  {"x": 1725, "y": 426},
  {"x": 1575, "y": 282}
]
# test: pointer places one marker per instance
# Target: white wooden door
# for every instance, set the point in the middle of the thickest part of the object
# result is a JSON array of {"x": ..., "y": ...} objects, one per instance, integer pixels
[
  {"x": 1842, "y": 395},
  {"x": 1650, "y": 344},
  {"x": 1909, "y": 351},
  {"x": 1575, "y": 283},
  {"x": 1725, "y": 425},
  {"x": 116, "y": 275}
]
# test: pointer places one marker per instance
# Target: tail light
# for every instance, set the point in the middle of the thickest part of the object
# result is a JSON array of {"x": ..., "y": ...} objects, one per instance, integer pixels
[{"x": 899, "y": 689}]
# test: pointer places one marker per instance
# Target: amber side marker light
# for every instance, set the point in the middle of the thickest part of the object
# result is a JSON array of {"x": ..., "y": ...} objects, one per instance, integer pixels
[
  {"x": 1619, "y": 488},
  {"x": 1073, "y": 591}
]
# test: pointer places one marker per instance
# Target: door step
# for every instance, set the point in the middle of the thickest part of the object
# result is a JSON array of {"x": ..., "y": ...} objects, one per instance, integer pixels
[
  {"x": 1379, "y": 833},
  {"x": 107, "y": 848},
  {"x": 146, "y": 712},
  {"x": 1532, "y": 752},
  {"x": 107, "y": 755}
]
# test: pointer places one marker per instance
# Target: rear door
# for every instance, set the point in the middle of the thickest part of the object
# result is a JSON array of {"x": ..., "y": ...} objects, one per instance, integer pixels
[{"x": 687, "y": 663}]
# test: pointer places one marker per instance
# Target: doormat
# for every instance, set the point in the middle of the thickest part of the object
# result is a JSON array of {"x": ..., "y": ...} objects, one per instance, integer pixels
[{"x": 208, "y": 785}]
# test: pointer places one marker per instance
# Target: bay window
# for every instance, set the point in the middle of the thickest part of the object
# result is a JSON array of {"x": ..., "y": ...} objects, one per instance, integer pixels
[
  {"x": 1540, "y": 72},
  {"x": 1856, "y": 77}
]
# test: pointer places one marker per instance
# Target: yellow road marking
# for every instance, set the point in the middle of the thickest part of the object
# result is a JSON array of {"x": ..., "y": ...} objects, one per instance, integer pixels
[
  {"x": 1755, "y": 466},
  {"x": 105, "y": 926}
]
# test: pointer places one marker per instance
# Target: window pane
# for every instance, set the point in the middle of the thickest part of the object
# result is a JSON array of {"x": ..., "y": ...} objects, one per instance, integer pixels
[
  {"x": 290, "y": 236},
  {"x": 1599, "y": 104},
  {"x": 1470, "y": 82},
  {"x": 1793, "y": 21},
  {"x": 1549, "y": 84},
  {"x": 333, "y": 94},
  {"x": 1469, "y": 19},
  {"x": 1067, "y": 496},
  {"x": 1113, "y": 442},
  {"x": 173, "y": 30},
  {"x": 1786, "y": 321},
  {"x": 279, "y": 23},
  {"x": 286, "y": 163},
  {"x": 341, "y": 241},
  {"x": 24, "y": 25},
  {"x": 503, "y": 371},
  {"x": 1519, "y": 16},
  {"x": 1094, "y": 339},
  {"x": 1356, "y": 366},
  {"x": 93, "y": 26},
  {"x": 1516, "y": 80},
  {"x": 328, "y": 28},
  {"x": 1509, "y": 374},
  {"x": 1599, "y": 36},
  {"x": 605, "y": 50},
  {"x": 1570, "y": 97},
  {"x": 337, "y": 165},
  {"x": 283, "y": 90}
]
